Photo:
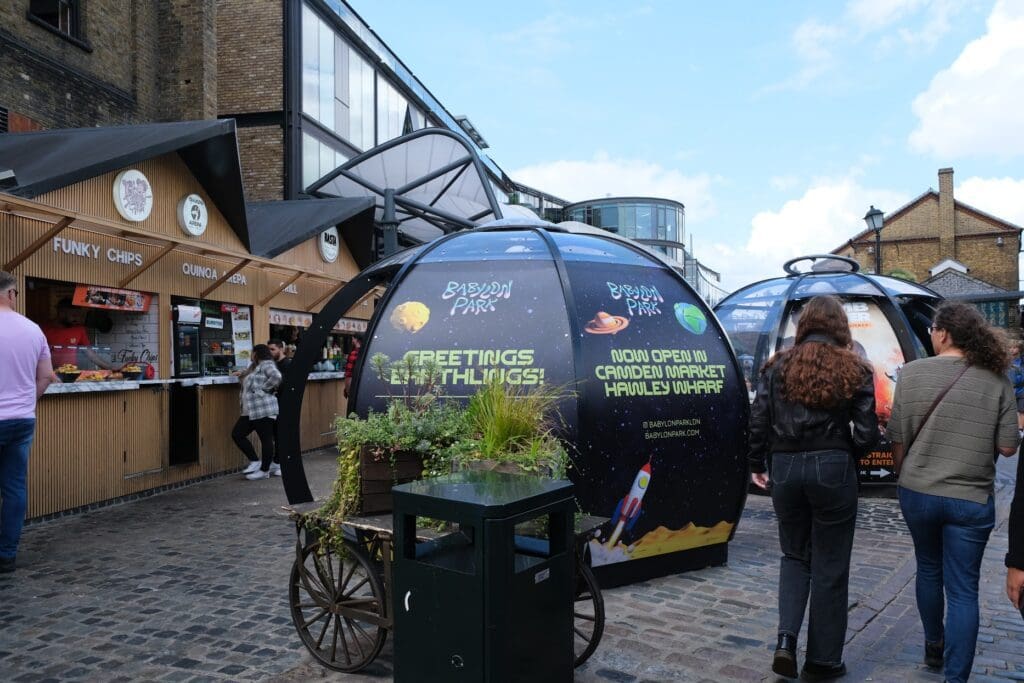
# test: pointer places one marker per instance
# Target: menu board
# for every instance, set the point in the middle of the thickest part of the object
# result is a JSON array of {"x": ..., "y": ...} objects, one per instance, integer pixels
[
  {"x": 663, "y": 410},
  {"x": 241, "y": 334},
  {"x": 91, "y": 296},
  {"x": 304, "y": 320}
]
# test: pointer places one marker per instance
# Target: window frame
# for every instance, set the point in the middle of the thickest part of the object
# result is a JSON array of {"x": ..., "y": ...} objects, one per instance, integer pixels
[{"x": 76, "y": 34}]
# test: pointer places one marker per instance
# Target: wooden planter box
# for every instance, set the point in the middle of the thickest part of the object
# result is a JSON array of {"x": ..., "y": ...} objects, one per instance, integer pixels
[{"x": 377, "y": 475}]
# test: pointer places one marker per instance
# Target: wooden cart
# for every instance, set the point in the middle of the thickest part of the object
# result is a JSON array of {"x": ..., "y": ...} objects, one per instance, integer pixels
[{"x": 339, "y": 597}]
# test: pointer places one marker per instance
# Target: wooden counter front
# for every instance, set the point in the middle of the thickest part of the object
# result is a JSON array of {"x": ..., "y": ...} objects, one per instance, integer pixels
[{"x": 96, "y": 446}]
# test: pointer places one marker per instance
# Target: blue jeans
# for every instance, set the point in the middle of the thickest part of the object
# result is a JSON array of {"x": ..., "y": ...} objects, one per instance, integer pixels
[
  {"x": 815, "y": 498},
  {"x": 15, "y": 441},
  {"x": 949, "y": 540}
]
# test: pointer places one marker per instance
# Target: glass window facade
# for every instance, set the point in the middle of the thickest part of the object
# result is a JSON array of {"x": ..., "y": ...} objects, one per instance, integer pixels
[
  {"x": 318, "y": 159},
  {"x": 635, "y": 218},
  {"x": 344, "y": 93}
]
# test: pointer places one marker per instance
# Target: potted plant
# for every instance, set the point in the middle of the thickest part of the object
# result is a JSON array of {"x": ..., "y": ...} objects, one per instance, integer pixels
[{"x": 421, "y": 434}]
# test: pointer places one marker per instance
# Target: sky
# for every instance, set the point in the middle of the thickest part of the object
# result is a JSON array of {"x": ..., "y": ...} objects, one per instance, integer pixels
[{"x": 776, "y": 124}]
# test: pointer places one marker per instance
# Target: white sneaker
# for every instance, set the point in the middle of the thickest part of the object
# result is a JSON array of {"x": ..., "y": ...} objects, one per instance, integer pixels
[
  {"x": 258, "y": 474},
  {"x": 275, "y": 469},
  {"x": 251, "y": 467}
]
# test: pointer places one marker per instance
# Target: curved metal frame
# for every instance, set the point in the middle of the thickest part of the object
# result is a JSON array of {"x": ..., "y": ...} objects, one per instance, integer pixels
[
  {"x": 293, "y": 384},
  {"x": 414, "y": 208}
]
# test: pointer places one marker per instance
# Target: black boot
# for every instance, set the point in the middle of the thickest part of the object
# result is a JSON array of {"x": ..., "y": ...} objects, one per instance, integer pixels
[
  {"x": 822, "y": 672},
  {"x": 933, "y": 654},
  {"x": 784, "y": 662}
]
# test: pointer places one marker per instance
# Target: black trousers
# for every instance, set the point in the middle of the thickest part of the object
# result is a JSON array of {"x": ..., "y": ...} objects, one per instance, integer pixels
[
  {"x": 264, "y": 428},
  {"x": 815, "y": 498}
]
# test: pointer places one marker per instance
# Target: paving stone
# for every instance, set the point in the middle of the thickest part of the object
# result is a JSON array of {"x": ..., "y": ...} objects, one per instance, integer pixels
[{"x": 191, "y": 585}]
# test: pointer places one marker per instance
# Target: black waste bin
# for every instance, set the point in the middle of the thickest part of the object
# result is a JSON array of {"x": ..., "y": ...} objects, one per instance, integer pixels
[{"x": 490, "y": 596}]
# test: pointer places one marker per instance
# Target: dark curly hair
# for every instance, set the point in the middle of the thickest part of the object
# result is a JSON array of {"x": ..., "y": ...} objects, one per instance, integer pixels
[
  {"x": 982, "y": 344},
  {"x": 817, "y": 372}
]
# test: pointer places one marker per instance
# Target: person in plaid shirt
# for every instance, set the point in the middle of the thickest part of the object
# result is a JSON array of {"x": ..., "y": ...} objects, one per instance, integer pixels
[{"x": 259, "y": 412}]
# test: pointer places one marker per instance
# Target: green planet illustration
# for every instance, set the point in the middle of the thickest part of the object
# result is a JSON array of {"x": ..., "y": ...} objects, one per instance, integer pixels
[{"x": 691, "y": 318}]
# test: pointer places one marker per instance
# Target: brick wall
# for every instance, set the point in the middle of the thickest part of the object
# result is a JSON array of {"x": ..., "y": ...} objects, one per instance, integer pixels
[
  {"x": 61, "y": 84},
  {"x": 988, "y": 261},
  {"x": 913, "y": 240},
  {"x": 251, "y": 61},
  {"x": 262, "y": 152},
  {"x": 947, "y": 215},
  {"x": 188, "y": 59}
]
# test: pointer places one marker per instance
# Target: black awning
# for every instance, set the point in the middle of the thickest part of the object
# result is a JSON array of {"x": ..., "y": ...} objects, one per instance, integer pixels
[
  {"x": 50, "y": 159},
  {"x": 275, "y": 227}
]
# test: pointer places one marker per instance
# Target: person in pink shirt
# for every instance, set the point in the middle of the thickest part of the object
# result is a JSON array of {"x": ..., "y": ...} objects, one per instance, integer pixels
[{"x": 25, "y": 372}]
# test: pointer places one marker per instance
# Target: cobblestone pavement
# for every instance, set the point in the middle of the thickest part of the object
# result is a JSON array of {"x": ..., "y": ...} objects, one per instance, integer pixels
[{"x": 190, "y": 585}]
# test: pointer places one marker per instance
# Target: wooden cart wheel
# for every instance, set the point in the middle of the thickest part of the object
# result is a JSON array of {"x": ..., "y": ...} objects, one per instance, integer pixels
[
  {"x": 587, "y": 614},
  {"x": 337, "y": 605}
]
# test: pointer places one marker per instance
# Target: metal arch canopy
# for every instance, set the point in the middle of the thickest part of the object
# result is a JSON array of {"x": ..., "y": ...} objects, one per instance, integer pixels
[
  {"x": 437, "y": 182},
  {"x": 293, "y": 384}
]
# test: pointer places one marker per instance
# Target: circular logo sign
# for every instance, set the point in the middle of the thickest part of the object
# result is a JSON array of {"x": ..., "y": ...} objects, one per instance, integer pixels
[
  {"x": 329, "y": 243},
  {"x": 133, "y": 195},
  {"x": 192, "y": 216}
]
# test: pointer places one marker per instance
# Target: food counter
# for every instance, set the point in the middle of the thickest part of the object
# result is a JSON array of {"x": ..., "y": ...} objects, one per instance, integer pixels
[{"x": 122, "y": 436}]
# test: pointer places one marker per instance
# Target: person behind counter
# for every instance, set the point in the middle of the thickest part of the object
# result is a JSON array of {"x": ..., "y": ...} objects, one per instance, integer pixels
[
  {"x": 67, "y": 332},
  {"x": 259, "y": 412},
  {"x": 350, "y": 363},
  {"x": 26, "y": 371}
]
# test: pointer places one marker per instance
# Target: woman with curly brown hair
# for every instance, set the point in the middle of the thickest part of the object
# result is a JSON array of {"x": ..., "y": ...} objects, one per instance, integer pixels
[
  {"x": 951, "y": 414},
  {"x": 807, "y": 399}
]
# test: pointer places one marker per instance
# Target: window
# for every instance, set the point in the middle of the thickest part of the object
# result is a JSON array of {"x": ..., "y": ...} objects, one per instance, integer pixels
[
  {"x": 391, "y": 112},
  {"x": 60, "y": 15},
  {"x": 318, "y": 159},
  {"x": 337, "y": 84}
]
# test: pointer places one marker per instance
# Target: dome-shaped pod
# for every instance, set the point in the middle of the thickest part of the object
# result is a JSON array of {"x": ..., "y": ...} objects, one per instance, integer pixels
[
  {"x": 654, "y": 400},
  {"x": 889, "y": 320}
]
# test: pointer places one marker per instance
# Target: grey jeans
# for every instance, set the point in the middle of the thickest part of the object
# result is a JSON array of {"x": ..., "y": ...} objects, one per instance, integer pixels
[{"x": 815, "y": 498}]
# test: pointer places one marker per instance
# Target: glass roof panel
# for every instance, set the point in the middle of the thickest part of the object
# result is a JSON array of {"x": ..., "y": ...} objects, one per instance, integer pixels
[
  {"x": 522, "y": 245},
  {"x": 600, "y": 250},
  {"x": 844, "y": 283}
]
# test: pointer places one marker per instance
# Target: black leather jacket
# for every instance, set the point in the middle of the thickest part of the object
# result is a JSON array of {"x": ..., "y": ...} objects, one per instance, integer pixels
[{"x": 777, "y": 425}]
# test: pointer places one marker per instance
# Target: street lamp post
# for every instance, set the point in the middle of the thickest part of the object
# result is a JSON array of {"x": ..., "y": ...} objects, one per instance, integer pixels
[{"x": 875, "y": 220}]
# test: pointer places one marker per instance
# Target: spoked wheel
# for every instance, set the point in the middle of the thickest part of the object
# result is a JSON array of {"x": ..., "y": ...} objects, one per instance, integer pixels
[
  {"x": 587, "y": 614},
  {"x": 337, "y": 605}
]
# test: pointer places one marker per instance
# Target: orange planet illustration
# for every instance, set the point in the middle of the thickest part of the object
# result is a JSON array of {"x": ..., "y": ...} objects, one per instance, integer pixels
[{"x": 605, "y": 323}]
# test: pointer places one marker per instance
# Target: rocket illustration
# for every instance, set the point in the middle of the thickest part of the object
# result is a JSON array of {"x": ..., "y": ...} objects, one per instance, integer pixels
[{"x": 627, "y": 512}]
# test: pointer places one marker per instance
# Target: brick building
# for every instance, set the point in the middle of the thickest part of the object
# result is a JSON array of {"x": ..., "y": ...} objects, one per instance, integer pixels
[
  {"x": 952, "y": 247},
  {"x": 70, "y": 63},
  {"x": 308, "y": 83}
]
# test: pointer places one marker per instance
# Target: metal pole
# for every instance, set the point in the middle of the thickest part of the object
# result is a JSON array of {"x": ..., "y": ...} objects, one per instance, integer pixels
[
  {"x": 878, "y": 252},
  {"x": 389, "y": 225}
]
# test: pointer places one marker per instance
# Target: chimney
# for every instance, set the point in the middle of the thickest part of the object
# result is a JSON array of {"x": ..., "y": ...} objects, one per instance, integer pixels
[{"x": 947, "y": 215}]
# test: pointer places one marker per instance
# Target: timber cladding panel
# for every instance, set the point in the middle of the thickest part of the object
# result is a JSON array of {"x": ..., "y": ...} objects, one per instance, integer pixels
[
  {"x": 322, "y": 404},
  {"x": 218, "y": 410},
  {"x": 170, "y": 180}
]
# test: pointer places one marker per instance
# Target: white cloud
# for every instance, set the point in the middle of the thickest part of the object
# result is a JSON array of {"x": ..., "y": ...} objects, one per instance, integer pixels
[
  {"x": 601, "y": 176},
  {"x": 830, "y": 212},
  {"x": 784, "y": 183},
  {"x": 973, "y": 107},
  {"x": 1000, "y": 197},
  {"x": 878, "y": 14},
  {"x": 821, "y": 46}
]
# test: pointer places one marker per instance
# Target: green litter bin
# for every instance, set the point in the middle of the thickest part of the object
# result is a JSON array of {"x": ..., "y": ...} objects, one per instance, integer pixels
[{"x": 483, "y": 579}]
